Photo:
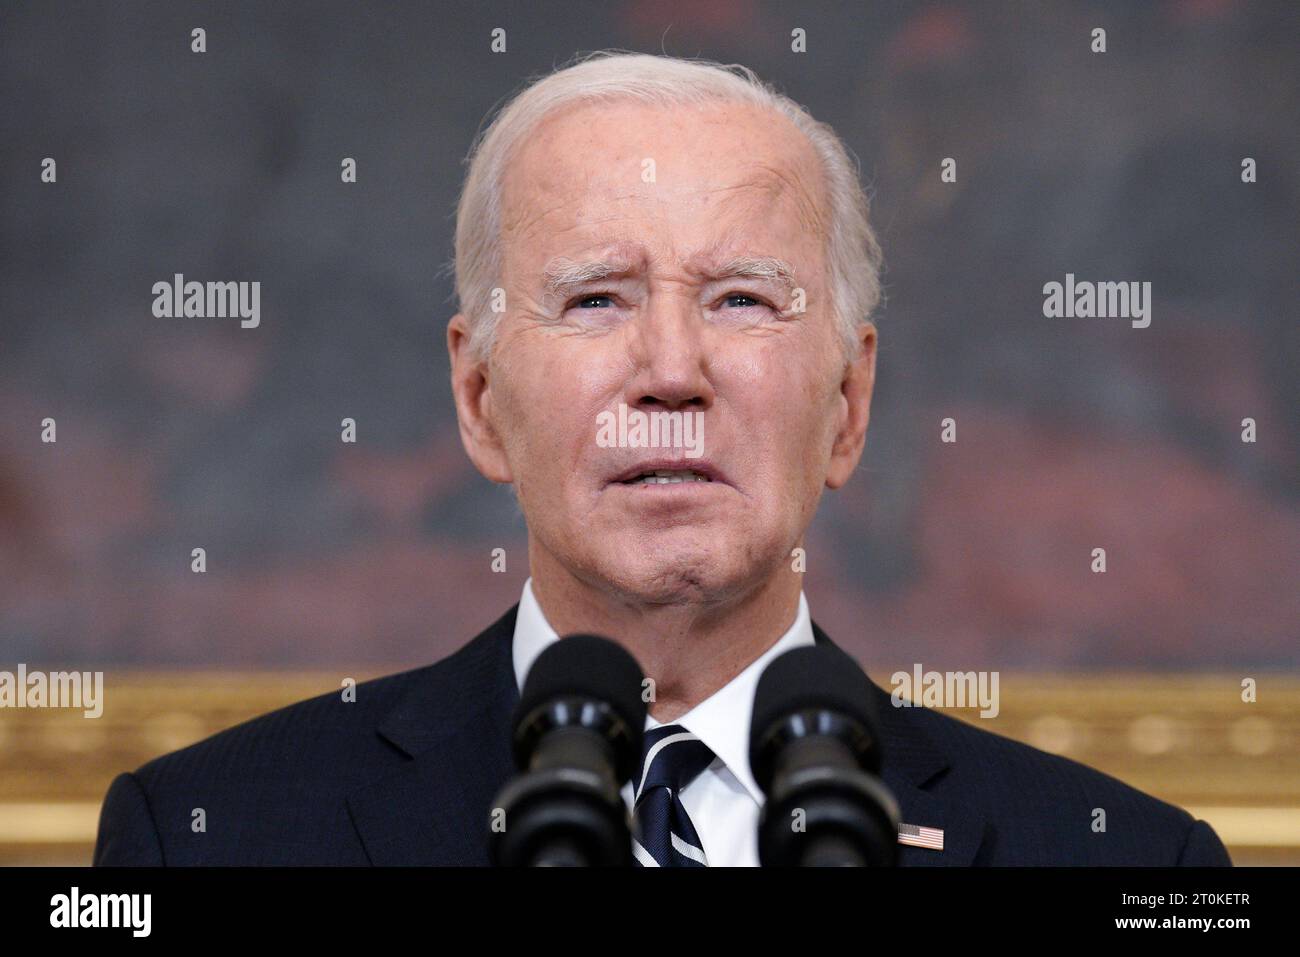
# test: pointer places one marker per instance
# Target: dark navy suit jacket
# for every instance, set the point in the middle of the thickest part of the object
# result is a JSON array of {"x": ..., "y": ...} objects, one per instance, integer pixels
[{"x": 407, "y": 773}]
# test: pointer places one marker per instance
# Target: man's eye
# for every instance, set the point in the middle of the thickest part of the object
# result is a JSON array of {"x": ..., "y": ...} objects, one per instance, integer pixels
[
  {"x": 748, "y": 300},
  {"x": 586, "y": 302},
  {"x": 736, "y": 300}
]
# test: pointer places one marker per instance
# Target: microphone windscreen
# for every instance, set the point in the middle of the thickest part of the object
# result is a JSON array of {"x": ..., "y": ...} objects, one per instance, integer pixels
[
  {"x": 587, "y": 666},
  {"x": 814, "y": 676}
]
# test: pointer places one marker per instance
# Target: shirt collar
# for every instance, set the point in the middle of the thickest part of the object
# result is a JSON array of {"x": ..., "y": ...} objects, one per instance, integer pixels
[{"x": 721, "y": 721}]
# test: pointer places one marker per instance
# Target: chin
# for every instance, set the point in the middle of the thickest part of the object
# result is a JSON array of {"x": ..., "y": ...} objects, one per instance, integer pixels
[{"x": 674, "y": 576}]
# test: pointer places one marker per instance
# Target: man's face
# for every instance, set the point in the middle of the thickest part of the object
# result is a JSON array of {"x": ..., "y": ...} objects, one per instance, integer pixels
[{"x": 672, "y": 200}]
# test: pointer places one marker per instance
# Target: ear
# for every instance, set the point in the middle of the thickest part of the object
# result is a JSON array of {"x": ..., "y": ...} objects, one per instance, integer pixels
[
  {"x": 855, "y": 408},
  {"x": 472, "y": 392}
]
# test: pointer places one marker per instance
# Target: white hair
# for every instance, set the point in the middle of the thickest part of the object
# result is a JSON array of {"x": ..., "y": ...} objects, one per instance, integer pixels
[{"x": 853, "y": 255}]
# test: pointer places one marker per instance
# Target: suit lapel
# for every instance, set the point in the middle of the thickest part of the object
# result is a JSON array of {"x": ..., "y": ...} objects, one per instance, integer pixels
[
  {"x": 913, "y": 764},
  {"x": 452, "y": 726}
]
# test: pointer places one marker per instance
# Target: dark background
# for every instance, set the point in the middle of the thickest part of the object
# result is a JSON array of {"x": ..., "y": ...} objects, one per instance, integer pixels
[{"x": 1072, "y": 433}]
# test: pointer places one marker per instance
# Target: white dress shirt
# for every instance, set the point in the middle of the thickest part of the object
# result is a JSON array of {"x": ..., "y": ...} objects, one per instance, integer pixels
[{"x": 723, "y": 802}]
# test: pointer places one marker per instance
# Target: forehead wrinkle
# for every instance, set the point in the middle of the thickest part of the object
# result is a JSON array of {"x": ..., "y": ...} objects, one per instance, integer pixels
[
  {"x": 777, "y": 181},
  {"x": 789, "y": 181},
  {"x": 525, "y": 219}
]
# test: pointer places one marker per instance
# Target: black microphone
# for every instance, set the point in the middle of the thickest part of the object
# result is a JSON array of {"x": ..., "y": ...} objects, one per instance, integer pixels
[
  {"x": 577, "y": 740},
  {"x": 814, "y": 749}
]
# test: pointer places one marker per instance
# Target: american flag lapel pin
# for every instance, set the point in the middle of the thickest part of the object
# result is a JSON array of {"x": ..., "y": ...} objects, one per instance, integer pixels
[{"x": 914, "y": 836}]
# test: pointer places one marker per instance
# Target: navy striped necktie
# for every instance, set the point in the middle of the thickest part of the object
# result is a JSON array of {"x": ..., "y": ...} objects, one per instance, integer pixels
[{"x": 671, "y": 759}]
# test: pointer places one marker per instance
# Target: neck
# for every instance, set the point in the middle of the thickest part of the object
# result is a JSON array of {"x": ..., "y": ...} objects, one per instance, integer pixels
[{"x": 690, "y": 649}]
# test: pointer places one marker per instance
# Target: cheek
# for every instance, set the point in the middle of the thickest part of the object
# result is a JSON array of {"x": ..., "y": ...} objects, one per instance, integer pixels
[
  {"x": 785, "y": 397},
  {"x": 520, "y": 413},
  {"x": 548, "y": 416}
]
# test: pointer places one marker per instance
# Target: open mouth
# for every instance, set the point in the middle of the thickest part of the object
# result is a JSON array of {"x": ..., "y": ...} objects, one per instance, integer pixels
[{"x": 666, "y": 477}]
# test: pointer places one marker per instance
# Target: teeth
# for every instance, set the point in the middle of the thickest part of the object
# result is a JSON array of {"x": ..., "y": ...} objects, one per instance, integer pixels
[{"x": 665, "y": 477}]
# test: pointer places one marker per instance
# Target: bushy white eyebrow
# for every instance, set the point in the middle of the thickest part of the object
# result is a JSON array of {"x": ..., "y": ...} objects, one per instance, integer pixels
[
  {"x": 562, "y": 274},
  {"x": 768, "y": 268}
]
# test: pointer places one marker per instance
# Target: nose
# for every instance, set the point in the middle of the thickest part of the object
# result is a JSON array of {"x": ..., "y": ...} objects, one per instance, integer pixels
[{"x": 668, "y": 355}]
